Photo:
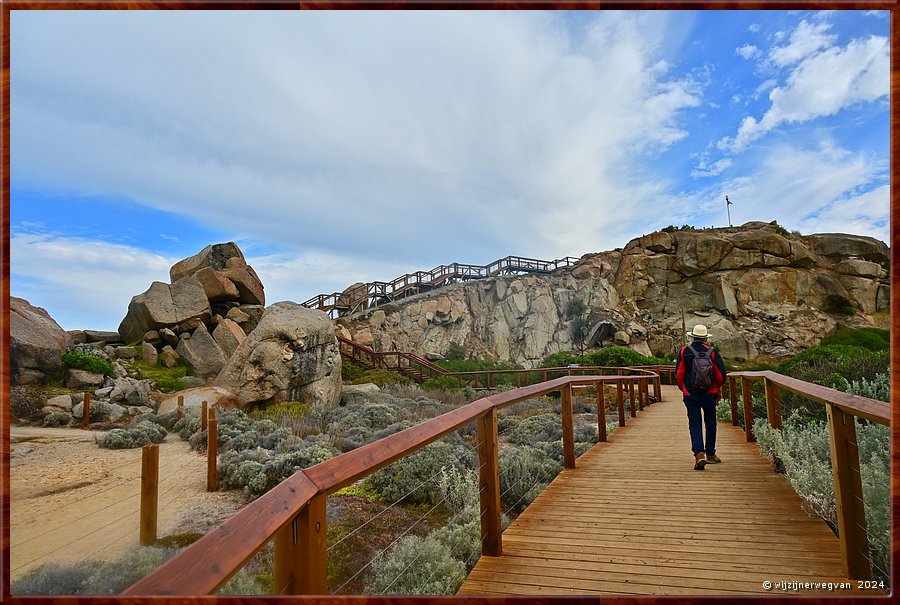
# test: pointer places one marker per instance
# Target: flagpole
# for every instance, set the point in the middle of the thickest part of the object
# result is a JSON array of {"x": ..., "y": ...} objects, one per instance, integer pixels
[{"x": 727, "y": 207}]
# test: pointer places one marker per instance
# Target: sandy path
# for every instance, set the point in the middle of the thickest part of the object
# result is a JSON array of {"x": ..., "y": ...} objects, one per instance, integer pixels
[{"x": 72, "y": 500}]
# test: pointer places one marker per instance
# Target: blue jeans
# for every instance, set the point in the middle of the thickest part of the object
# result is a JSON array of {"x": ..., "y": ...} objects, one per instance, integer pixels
[{"x": 706, "y": 403}]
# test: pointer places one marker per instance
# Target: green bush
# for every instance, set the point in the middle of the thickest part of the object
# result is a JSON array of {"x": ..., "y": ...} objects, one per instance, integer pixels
[
  {"x": 139, "y": 435},
  {"x": 878, "y": 388},
  {"x": 413, "y": 478},
  {"x": 622, "y": 357},
  {"x": 442, "y": 383},
  {"x": 110, "y": 577},
  {"x": 416, "y": 566},
  {"x": 57, "y": 419},
  {"x": 282, "y": 414},
  {"x": 524, "y": 472},
  {"x": 874, "y": 339},
  {"x": 168, "y": 380},
  {"x": 351, "y": 371},
  {"x": 382, "y": 378},
  {"x": 560, "y": 360},
  {"x": 455, "y": 352},
  {"x": 90, "y": 363},
  {"x": 837, "y": 304},
  {"x": 802, "y": 450}
]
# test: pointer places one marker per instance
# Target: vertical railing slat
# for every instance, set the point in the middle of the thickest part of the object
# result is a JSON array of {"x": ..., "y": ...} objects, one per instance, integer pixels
[
  {"x": 851, "y": 514},
  {"x": 747, "y": 395},
  {"x": 489, "y": 485},
  {"x": 567, "y": 426}
]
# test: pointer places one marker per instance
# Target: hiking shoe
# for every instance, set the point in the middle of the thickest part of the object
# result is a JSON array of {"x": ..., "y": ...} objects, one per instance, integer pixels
[
  {"x": 699, "y": 461},
  {"x": 713, "y": 459}
]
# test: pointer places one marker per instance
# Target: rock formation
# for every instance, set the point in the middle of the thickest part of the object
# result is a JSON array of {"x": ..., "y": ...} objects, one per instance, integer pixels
[
  {"x": 214, "y": 300},
  {"x": 292, "y": 355},
  {"x": 763, "y": 292},
  {"x": 36, "y": 343}
]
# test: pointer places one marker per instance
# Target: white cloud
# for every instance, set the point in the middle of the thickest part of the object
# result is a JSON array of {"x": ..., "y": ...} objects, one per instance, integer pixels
[
  {"x": 878, "y": 14},
  {"x": 805, "y": 40},
  {"x": 715, "y": 169},
  {"x": 329, "y": 131},
  {"x": 812, "y": 190},
  {"x": 822, "y": 85},
  {"x": 748, "y": 51},
  {"x": 754, "y": 27},
  {"x": 79, "y": 280}
]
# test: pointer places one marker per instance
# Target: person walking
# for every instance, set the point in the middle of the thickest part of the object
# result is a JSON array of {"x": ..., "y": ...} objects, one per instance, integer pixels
[{"x": 700, "y": 371}]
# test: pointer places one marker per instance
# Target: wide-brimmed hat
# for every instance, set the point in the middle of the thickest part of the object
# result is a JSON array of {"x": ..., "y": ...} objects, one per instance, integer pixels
[{"x": 699, "y": 331}]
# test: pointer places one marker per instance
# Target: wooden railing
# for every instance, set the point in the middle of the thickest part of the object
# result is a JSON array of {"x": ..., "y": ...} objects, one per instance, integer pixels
[
  {"x": 372, "y": 294},
  {"x": 421, "y": 369},
  {"x": 293, "y": 512},
  {"x": 842, "y": 410}
]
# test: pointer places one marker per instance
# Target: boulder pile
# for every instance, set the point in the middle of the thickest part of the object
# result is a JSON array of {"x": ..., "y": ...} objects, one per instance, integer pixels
[
  {"x": 213, "y": 301},
  {"x": 36, "y": 343}
]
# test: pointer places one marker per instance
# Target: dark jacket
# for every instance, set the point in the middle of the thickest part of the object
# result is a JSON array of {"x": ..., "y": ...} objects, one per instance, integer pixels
[{"x": 685, "y": 363}]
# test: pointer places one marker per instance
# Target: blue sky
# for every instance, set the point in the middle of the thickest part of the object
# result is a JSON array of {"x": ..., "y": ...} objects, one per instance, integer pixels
[{"x": 337, "y": 147}]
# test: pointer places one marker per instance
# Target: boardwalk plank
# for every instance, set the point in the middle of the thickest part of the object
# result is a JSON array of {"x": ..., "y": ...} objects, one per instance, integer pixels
[{"x": 633, "y": 517}]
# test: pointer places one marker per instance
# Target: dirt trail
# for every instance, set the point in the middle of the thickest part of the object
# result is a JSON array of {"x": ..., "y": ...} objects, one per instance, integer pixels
[{"x": 71, "y": 500}]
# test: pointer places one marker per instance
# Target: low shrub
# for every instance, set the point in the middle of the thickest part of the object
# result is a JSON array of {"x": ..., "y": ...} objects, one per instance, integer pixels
[
  {"x": 416, "y": 566},
  {"x": 414, "y": 478},
  {"x": 168, "y": 380},
  {"x": 802, "y": 450},
  {"x": 524, "y": 472},
  {"x": 139, "y": 435},
  {"x": 874, "y": 339},
  {"x": 351, "y": 371},
  {"x": 283, "y": 414},
  {"x": 57, "y": 419},
  {"x": 442, "y": 383},
  {"x": 382, "y": 378},
  {"x": 83, "y": 360},
  {"x": 110, "y": 577},
  {"x": 838, "y": 305}
]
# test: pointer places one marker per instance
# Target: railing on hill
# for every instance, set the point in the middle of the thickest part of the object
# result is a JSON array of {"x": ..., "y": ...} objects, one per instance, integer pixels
[
  {"x": 372, "y": 294},
  {"x": 293, "y": 512},
  {"x": 421, "y": 369},
  {"x": 842, "y": 410}
]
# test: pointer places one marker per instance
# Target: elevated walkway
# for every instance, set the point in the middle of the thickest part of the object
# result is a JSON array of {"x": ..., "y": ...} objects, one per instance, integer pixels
[{"x": 635, "y": 518}]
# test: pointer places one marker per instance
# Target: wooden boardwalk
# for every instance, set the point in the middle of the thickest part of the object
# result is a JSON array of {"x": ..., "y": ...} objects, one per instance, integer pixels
[{"x": 633, "y": 517}]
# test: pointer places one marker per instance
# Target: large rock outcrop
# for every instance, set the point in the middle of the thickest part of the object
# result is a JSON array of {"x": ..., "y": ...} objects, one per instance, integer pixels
[
  {"x": 215, "y": 292},
  {"x": 763, "y": 292},
  {"x": 36, "y": 343},
  {"x": 292, "y": 355}
]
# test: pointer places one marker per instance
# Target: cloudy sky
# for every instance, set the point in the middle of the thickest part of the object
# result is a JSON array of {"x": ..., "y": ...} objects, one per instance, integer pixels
[{"x": 337, "y": 147}]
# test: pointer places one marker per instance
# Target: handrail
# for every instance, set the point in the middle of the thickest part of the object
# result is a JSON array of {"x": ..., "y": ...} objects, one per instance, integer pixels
[
  {"x": 401, "y": 286},
  {"x": 293, "y": 512},
  {"x": 842, "y": 410}
]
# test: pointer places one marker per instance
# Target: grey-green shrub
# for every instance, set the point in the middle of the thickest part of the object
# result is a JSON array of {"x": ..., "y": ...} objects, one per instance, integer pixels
[
  {"x": 878, "y": 388},
  {"x": 524, "y": 472},
  {"x": 805, "y": 453},
  {"x": 141, "y": 434},
  {"x": 54, "y": 579},
  {"x": 111, "y": 577},
  {"x": 414, "y": 478},
  {"x": 124, "y": 439},
  {"x": 416, "y": 566},
  {"x": 57, "y": 419}
]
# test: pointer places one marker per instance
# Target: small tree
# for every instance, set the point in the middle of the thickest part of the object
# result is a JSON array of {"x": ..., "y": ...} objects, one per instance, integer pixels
[
  {"x": 455, "y": 352},
  {"x": 576, "y": 311}
]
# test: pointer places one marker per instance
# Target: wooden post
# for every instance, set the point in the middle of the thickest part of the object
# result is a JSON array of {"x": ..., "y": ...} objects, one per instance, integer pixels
[
  {"x": 86, "y": 411},
  {"x": 212, "y": 452},
  {"x": 568, "y": 430},
  {"x": 657, "y": 387},
  {"x": 149, "y": 493},
  {"x": 631, "y": 396},
  {"x": 300, "y": 564},
  {"x": 601, "y": 411},
  {"x": 489, "y": 485},
  {"x": 732, "y": 394},
  {"x": 203, "y": 416},
  {"x": 180, "y": 407},
  {"x": 851, "y": 515},
  {"x": 645, "y": 393},
  {"x": 747, "y": 395},
  {"x": 773, "y": 404},
  {"x": 620, "y": 401}
]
